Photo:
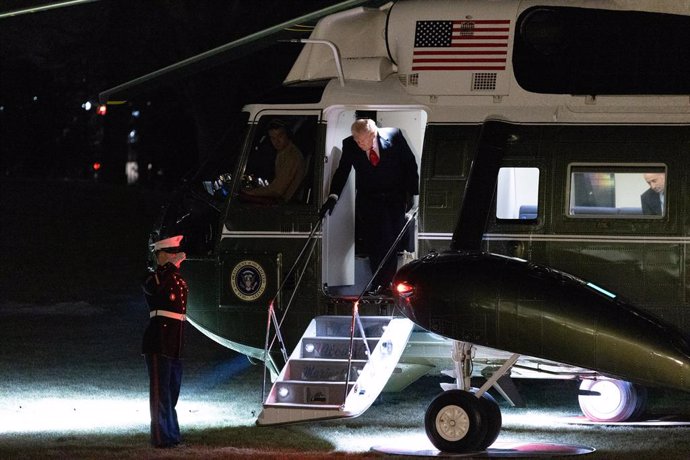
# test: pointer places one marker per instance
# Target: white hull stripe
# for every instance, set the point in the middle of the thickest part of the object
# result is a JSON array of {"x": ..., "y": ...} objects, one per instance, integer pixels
[
  {"x": 245, "y": 234},
  {"x": 567, "y": 238}
]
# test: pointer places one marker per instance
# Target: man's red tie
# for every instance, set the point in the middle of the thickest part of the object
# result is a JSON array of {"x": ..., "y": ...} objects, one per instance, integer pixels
[{"x": 373, "y": 157}]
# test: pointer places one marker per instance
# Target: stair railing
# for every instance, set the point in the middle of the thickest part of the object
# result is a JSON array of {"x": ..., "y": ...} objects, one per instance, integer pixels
[
  {"x": 409, "y": 216},
  {"x": 272, "y": 318}
]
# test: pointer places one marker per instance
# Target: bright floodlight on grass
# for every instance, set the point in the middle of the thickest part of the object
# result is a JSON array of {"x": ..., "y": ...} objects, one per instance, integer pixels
[
  {"x": 76, "y": 413},
  {"x": 53, "y": 414}
]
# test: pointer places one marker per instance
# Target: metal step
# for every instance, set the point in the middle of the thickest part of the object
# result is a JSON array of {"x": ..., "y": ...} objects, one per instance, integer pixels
[
  {"x": 311, "y": 386},
  {"x": 300, "y": 393},
  {"x": 327, "y": 370},
  {"x": 335, "y": 347},
  {"x": 339, "y": 326}
]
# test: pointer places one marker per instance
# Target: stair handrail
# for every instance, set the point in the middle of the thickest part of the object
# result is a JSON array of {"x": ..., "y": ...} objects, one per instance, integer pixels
[
  {"x": 272, "y": 318},
  {"x": 355, "y": 306}
]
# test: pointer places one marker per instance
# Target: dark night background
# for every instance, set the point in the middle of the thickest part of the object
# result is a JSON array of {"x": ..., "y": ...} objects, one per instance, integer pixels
[
  {"x": 51, "y": 64},
  {"x": 54, "y": 61}
]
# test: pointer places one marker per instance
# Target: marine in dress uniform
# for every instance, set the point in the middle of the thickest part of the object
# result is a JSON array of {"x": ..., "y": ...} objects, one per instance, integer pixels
[
  {"x": 166, "y": 295},
  {"x": 386, "y": 181}
]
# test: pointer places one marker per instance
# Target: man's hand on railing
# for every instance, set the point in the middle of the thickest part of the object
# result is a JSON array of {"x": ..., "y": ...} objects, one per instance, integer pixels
[{"x": 328, "y": 206}]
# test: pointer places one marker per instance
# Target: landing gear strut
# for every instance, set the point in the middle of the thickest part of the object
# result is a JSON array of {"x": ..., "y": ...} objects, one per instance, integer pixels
[{"x": 465, "y": 419}]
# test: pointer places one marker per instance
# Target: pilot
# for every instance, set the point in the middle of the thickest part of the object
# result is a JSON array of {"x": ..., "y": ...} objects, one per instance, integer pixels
[
  {"x": 290, "y": 166},
  {"x": 166, "y": 294},
  {"x": 653, "y": 199},
  {"x": 386, "y": 182}
]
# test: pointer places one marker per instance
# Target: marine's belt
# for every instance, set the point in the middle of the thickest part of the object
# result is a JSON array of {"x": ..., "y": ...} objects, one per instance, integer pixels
[{"x": 168, "y": 314}]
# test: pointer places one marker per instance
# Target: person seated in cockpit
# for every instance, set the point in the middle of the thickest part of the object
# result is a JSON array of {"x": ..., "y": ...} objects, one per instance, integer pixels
[{"x": 289, "y": 167}]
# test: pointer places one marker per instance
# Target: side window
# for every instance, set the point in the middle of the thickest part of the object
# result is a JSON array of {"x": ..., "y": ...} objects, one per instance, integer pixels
[
  {"x": 279, "y": 167},
  {"x": 612, "y": 191},
  {"x": 517, "y": 194}
]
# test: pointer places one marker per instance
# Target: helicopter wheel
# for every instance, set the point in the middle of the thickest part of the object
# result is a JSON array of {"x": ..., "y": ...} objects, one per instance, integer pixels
[
  {"x": 493, "y": 419},
  {"x": 615, "y": 401},
  {"x": 456, "y": 421}
]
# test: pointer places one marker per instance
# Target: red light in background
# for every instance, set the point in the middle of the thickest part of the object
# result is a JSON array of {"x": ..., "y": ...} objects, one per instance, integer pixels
[
  {"x": 96, "y": 166},
  {"x": 102, "y": 109}
]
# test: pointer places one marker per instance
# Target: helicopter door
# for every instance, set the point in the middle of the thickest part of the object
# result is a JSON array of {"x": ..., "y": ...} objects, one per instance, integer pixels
[{"x": 345, "y": 268}]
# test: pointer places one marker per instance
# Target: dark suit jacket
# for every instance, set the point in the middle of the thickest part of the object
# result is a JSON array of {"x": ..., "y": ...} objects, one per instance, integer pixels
[
  {"x": 383, "y": 191},
  {"x": 396, "y": 173},
  {"x": 651, "y": 202}
]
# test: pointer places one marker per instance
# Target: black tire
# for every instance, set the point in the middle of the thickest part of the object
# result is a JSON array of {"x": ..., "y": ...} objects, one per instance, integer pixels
[
  {"x": 494, "y": 419},
  {"x": 455, "y": 421}
]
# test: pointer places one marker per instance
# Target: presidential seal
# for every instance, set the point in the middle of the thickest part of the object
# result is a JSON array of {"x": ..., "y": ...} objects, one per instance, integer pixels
[{"x": 248, "y": 280}]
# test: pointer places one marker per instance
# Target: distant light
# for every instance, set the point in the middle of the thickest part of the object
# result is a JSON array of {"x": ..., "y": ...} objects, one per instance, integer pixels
[
  {"x": 136, "y": 113},
  {"x": 602, "y": 290},
  {"x": 102, "y": 109},
  {"x": 35, "y": 98},
  {"x": 132, "y": 172},
  {"x": 132, "y": 134},
  {"x": 96, "y": 166},
  {"x": 87, "y": 105}
]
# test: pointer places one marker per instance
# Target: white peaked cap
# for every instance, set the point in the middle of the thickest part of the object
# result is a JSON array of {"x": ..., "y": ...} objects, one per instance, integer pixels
[{"x": 172, "y": 242}]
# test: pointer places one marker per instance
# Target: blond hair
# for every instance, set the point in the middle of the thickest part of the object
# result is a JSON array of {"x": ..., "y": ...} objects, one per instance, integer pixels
[{"x": 364, "y": 125}]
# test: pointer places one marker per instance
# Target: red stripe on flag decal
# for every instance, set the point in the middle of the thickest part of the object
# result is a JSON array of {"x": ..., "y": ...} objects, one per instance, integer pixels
[{"x": 473, "y": 45}]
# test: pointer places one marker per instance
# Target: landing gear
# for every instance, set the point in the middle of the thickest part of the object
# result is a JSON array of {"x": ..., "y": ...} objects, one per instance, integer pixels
[
  {"x": 465, "y": 419},
  {"x": 609, "y": 400}
]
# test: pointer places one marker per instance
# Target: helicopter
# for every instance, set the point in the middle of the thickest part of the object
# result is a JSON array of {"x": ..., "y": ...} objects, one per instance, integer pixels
[{"x": 528, "y": 252}]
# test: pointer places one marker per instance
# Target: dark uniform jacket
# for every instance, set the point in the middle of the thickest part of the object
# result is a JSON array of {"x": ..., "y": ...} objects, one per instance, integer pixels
[{"x": 165, "y": 290}]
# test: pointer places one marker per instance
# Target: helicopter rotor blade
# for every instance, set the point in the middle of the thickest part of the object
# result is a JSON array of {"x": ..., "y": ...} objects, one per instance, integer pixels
[
  {"x": 40, "y": 7},
  {"x": 229, "y": 51}
]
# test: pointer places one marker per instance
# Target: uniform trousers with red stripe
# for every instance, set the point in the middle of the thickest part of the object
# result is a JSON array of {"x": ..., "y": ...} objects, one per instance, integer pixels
[{"x": 165, "y": 377}]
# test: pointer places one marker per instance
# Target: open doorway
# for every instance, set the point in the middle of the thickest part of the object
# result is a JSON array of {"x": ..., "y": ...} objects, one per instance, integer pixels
[{"x": 346, "y": 269}]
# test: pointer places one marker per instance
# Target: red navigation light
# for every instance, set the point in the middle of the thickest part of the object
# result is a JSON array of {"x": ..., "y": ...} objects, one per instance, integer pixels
[
  {"x": 404, "y": 289},
  {"x": 96, "y": 166},
  {"x": 102, "y": 109}
]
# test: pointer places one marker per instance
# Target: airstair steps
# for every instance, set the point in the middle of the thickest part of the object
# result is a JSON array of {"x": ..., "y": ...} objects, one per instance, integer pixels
[
  {"x": 333, "y": 347},
  {"x": 311, "y": 386}
]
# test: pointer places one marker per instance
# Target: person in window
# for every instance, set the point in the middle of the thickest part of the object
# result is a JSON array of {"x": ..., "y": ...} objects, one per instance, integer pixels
[
  {"x": 386, "y": 182},
  {"x": 289, "y": 168},
  {"x": 653, "y": 199}
]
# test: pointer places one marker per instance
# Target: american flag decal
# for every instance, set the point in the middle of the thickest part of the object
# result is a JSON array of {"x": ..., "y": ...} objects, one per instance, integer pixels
[{"x": 461, "y": 45}]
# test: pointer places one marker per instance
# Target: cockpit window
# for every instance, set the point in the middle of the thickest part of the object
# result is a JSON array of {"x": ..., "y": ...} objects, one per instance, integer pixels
[
  {"x": 608, "y": 191},
  {"x": 279, "y": 168},
  {"x": 517, "y": 194}
]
